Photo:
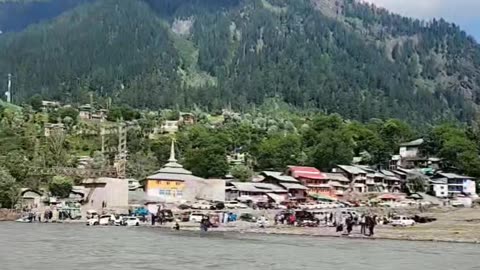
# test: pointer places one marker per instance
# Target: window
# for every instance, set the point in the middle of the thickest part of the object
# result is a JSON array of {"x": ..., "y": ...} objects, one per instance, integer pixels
[
  {"x": 177, "y": 183},
  {"x": 164, "y": 192},
  {"x": 442, "y": 187},
  {"x": 179, "y": 193},
  {"x": 168, "y": 183}
]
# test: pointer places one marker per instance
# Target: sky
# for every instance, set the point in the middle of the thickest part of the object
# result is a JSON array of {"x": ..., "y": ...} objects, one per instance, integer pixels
[{"x": 465, "y": 13}]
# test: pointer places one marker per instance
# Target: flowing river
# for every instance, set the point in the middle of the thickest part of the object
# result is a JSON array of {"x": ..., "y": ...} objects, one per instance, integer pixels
[{"x": 68, "y": 246}]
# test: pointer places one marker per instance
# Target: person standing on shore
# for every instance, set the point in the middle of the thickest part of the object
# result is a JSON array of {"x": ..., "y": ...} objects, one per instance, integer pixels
[
  {"x": 363, "y": 225},
  {"x": 349, "y": 224},
  {"x": 371, "y": 226},
  {"x": 153, "y": 219}
]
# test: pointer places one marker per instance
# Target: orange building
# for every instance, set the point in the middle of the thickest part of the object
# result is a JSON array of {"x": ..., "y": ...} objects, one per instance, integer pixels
[{"x": 169, "y": 183}]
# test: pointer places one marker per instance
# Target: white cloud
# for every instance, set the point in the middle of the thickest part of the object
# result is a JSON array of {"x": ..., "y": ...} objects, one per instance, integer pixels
[{"x": 452, "y": 10}]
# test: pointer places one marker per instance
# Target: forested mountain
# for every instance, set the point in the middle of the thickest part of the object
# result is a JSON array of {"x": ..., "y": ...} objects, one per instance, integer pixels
[{"x": 328, "y": 55}]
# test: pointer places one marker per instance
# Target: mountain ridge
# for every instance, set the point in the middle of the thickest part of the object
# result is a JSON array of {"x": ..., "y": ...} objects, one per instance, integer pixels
[{"x": 332, "y": 56}]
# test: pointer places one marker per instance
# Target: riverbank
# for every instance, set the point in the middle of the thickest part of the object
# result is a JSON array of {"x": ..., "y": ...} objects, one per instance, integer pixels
[{"x": 452, "y": 226}]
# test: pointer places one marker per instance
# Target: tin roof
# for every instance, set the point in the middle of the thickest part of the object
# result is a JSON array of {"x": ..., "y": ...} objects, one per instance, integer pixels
[
  {"x": 417, "y": 142},
  {"x": 279, "y": 176},
  {"x": 173, "y": 170},
  {"x": 351, "y": 169},
  {"x": 257, "y": 187},
  {"x": 337, "y": 177},
  {"x": 454, "y": 176},
  {"x": 306, "y": 172}
]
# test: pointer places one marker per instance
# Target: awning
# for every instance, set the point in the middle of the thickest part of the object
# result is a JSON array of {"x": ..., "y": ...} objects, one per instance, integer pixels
[
  {"x": 277, "y": 198},
  {"x": 290, "y": 186},
  {"x": 322, "y": 197}
]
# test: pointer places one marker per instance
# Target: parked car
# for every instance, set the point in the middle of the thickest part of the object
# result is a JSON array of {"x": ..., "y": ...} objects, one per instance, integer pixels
[
  {"x": 104, "y": 220},
  {"x": 167, "y": 215},
  {"x": 235, "y": 205},
  {"x": 131, "y": 221},
  {"x": 196, "y": 217},
  {"x": 118, "y": 220},
  {"x": 402, "y": 221},
  {"x": 92, "y": 221},
  {"x": 248, "y": 217},
  {"x": 203, "y": 205},
  {"x": 91, "y": 214}
]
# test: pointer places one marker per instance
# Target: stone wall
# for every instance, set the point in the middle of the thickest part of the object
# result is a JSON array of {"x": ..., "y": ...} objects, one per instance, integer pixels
[{"x": 9, "y": 215}]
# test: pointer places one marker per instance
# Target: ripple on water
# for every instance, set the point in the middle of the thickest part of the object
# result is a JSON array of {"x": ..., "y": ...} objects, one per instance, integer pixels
[{"x": 61, "y": 246}]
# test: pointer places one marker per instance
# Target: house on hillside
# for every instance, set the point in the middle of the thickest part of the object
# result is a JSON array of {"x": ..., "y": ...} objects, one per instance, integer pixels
[
  {"x": 295, "y": 189},
  {"x": 457, "y": 184},
  {"x": 338, "y": 183},
  {"x": 50, "y": 105},
  {"x": 169, "y": 127},
  {"x": 85, "y": 112},
  {"x": 256, "y": 192},
  {"x": 355, "y": 175},
  {"x": 52, "y": 129},
  {"x": 392, "y": 181},
  {"x": 412, "y": 154},
  {"x": 187, "y": 119},
  {"x": 439, "y": 188},
  {"x": 312, "y": 178}
]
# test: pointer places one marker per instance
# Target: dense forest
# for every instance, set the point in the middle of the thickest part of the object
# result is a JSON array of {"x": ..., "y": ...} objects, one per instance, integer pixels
[{"x": 317, "y": 55}]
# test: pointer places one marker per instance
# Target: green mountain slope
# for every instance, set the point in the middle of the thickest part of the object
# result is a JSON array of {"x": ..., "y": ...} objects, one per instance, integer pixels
[{"x": 328, "y": 55}]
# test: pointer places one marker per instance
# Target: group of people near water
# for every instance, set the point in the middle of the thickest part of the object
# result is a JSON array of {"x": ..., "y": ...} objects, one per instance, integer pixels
[
  {"x": 37, "y": 216},
  {"x": 364, "y": 221}
]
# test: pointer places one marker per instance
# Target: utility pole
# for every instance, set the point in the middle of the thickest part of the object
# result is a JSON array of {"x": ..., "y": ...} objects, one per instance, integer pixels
[
  {"x": 8, "y": 94},
  {"x": 121, "y": 158}
]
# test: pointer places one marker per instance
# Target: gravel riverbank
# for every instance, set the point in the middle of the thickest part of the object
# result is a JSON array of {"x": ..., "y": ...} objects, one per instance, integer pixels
[{"x": 452, "y": 225}]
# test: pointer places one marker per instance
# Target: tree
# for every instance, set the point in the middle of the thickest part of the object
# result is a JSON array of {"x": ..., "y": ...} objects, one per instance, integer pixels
[
  {"x": 279, "y": 151},
  {"x": 60, "y": 186},
  {"x": 332, "y": 148},
  {"x": 207, "y": 162},
  {"x": 161, "y": 149},
  {"x": 241, "y": 172},
  {"x": 416, "y": 184},
  {"x": 9, "y": 189},
  {"x": 36, "y": 102},
  {"x": 68, "y": 112}
]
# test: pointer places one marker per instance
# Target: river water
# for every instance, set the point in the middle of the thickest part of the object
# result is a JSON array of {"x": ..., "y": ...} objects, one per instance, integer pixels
[{"x": 67, "y": 246}]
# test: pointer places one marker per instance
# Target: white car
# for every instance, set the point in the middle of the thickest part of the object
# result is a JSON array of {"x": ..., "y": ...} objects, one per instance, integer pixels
[
  {"x": 104, "y": 220},
  {"x": 235, "y": 205},
  {"x": 202, "y": 205},
  {"x": 99, "y": 220},
  {"x": 196, "y": 217},
  {"x": 402, "y": 221},
  {"x": 131, "y": 221},
  {"x": 92, "y": 221}
]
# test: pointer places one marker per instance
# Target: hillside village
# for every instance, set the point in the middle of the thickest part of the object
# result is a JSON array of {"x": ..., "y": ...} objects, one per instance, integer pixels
[{"x": 103, "y": 177}]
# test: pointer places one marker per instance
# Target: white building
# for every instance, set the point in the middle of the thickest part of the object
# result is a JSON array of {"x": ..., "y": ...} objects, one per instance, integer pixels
[
  {"x": 457, "y": 184},
  {"x": 169, "y": 127},
  {"x": 439, "y": 188}
]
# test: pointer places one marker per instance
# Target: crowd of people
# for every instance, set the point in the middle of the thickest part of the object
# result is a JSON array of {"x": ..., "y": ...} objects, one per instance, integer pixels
[{"x": 365, "y": 222}]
